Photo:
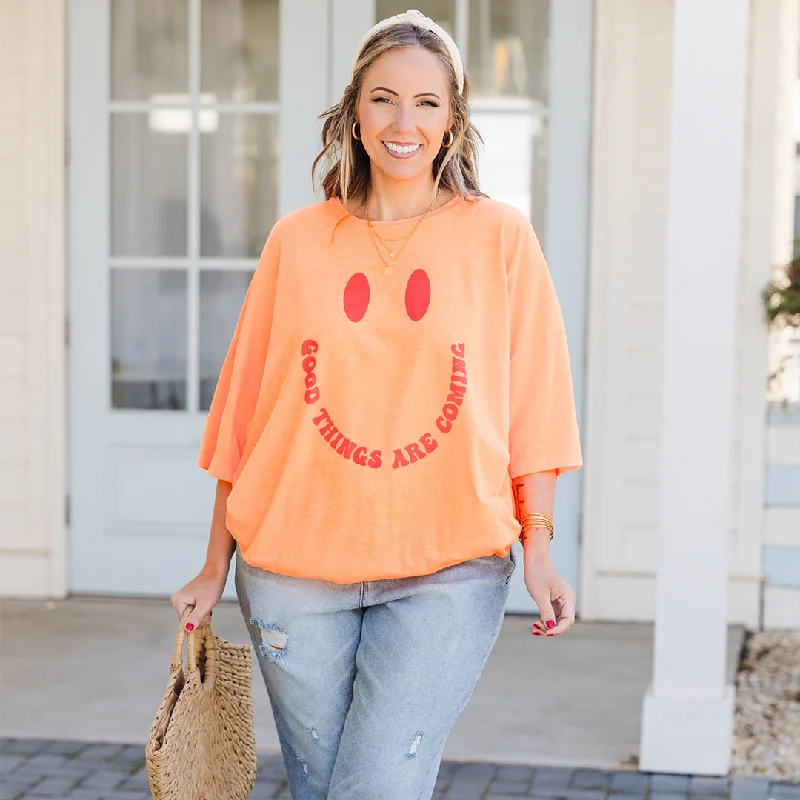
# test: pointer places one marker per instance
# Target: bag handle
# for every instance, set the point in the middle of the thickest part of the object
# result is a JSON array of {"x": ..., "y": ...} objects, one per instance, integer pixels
[{"x": 198, "y": 638}]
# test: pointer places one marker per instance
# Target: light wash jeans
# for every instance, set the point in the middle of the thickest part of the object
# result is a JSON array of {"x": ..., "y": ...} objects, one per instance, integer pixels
[{"x": 367, "y": 679}]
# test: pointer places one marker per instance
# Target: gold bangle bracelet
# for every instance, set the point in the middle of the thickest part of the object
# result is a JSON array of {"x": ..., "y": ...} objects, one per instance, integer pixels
[
  {"x": 538, "y": 517},
  {"x": 534, "y": 527},
  {"x": 528, "y": 525},
  {"x": 536, "y": 523},
  {"x": 535, "y": 520}
]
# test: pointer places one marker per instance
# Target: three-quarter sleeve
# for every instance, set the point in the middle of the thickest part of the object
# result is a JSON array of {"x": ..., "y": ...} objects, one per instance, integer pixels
[
  {"x": 236, "y": 394},
  {"x": 543, "y": 430}
]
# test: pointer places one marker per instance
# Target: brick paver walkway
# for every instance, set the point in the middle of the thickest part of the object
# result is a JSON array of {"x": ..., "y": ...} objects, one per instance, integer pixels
[{"x": 44, "y": 770}]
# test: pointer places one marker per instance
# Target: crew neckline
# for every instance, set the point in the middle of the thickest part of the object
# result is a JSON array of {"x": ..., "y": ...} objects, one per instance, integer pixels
[{"x": 453, "y": 202}]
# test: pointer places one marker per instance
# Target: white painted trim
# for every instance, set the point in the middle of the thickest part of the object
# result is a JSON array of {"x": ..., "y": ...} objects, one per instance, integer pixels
[
  {"x": 783, "y": 445},
  {"x": 461, "y": 32},
  {"x": 567, "y": 228},
  {"x": 90, "y": 210},
  {"x": 350, "y": 20},
  {"x": 55, "y": 449},
  {"x": 782, "y": 527},
  {"x": 193, "y": 168},
  {"x": 304, "y": 56},
  {"x": 782, "y": 609},
  {"x": 625, "y": 596},
  {"x": 688, "y": 735},
  {"x": 612, "y": 195},
  {"x": 704, "y": 225},
  {"x": 227, "y": 264},
  {"x": 28, "y": 574},
  {"x": 688, "y": 713},
  {"x": 144, "y": 106},
  {"x": 152, "y": 262}
]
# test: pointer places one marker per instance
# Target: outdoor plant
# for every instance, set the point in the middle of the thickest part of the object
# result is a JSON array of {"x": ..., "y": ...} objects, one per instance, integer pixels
[
  {"x": 782, "y": 295},
  {"x": 781, "y": 299}
]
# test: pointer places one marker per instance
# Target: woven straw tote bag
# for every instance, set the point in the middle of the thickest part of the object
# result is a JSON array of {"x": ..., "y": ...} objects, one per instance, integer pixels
[{"x": 202, "y": 742}]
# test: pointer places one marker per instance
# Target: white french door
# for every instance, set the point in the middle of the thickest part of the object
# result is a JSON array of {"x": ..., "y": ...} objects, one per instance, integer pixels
[{"x": 177, "y": 115}]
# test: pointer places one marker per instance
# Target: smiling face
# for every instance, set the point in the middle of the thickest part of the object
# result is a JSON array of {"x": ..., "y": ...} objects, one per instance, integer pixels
[{"x": 404, "y": 112}]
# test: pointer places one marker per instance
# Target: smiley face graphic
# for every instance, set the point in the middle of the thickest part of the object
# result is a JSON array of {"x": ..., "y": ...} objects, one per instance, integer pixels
[{"x": 356, "y": 299}]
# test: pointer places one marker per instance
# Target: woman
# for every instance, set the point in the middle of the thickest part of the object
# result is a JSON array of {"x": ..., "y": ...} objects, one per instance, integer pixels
[{"x": 399, "y": 358}]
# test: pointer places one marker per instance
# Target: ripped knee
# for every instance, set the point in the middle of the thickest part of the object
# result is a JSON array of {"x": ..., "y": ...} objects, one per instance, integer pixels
[
  {"x": 274, "y": 639},
  {"x": 414, "y": 746}
]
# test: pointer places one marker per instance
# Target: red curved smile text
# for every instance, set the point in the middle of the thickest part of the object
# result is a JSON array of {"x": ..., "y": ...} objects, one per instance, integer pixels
[{"x": 364, "y": 456}]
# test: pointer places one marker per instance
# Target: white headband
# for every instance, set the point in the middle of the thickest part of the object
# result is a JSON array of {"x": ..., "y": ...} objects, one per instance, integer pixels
[{"x": 417, "y": 18}]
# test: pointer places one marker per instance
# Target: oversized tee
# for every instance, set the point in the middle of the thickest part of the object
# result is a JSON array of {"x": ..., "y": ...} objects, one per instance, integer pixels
[{"x": 371, "y": 424}]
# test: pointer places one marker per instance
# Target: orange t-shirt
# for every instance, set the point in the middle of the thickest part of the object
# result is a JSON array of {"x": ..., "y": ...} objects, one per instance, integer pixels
[{"x": 371, "y": 424}]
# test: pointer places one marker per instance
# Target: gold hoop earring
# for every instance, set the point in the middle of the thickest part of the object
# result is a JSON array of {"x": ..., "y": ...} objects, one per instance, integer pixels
[
  {"x": 357, "y": 138},
  {"x": 450, "y": 142}
]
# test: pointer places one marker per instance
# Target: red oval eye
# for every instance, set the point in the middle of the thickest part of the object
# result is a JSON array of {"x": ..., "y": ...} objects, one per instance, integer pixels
[
  {"x": 356, "y": 297},
  {"x": 418, "y": 294}
]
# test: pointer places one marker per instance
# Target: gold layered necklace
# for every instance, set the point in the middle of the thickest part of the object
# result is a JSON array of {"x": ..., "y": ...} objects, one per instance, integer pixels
[{"x": 395, "y": 251}]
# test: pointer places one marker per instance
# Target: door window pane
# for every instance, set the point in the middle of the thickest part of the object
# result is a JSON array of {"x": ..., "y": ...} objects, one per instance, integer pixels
[
  {"x": 240, "y": 50},
  {"x": 508, "y": 49},
  {"x": 148, "y": 338},
  {"x": 221, "y": 297},
  {"x": 149, "y": 48},
  {"x": 148, "y": 183},
  {"x": 513, "y": 161},
  {"x": 442, "y": 12},
  {"x": 239, "y": 184}
]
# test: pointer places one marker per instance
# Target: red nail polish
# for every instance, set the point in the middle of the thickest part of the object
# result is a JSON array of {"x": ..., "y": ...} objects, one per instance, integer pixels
[
  {"x": 551, "y": 623},
  {"x": 210, "y": 614},
  {"x": 551, "y": 634},
  {"x": 189, "y": 626}
]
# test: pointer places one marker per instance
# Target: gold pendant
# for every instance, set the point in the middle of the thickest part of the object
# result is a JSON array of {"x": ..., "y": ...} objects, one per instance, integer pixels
[{"x": 387, "y": 270}]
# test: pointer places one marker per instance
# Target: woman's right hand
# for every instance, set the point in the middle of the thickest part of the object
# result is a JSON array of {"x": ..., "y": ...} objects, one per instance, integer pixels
[{"x": 203, "y": 593}]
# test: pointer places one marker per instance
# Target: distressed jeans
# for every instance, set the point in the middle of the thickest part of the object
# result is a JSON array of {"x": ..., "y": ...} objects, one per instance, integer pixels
[{"x": 367, "y": 679}]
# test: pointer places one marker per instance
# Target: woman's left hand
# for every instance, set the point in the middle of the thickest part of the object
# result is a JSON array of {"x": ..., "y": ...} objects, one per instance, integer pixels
[{"x": 553, "y": 595}]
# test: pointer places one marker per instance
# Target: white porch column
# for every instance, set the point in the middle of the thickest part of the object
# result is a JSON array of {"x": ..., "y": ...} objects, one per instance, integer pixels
[{"x": 688, "y": 710}]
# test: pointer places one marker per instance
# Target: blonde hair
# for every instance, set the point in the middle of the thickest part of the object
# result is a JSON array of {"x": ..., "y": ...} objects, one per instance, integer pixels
[{"x": 346, "y": 163}]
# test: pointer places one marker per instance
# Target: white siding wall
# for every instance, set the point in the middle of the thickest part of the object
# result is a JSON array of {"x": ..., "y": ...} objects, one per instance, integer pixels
[
  {"x": 633, "y": 64},
  {"x": 769, "y": 189},
  {"x": 782, "y": 521},
  {"x": 32, "y": 397},
  {"x": 633, "y": 53}
]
